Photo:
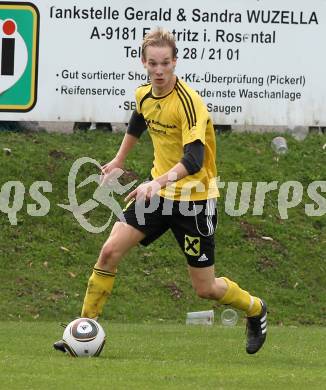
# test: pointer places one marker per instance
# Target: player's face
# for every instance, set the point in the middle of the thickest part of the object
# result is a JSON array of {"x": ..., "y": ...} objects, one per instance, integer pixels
[{"x": 160, "y": 64}]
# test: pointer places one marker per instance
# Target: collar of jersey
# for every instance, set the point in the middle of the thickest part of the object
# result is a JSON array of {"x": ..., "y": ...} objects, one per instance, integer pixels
[{"x": 164, "y": 96}]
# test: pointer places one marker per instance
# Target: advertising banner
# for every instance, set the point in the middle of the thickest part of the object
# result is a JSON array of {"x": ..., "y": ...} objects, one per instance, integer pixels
[{"x": 253, "y": 62}]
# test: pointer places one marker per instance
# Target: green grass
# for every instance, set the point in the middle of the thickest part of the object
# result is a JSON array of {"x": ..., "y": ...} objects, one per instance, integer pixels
[
  {"x": 46, "y": 261},
  {"x": 42, "y": 281},
  {"x": 163, "y": 356}
]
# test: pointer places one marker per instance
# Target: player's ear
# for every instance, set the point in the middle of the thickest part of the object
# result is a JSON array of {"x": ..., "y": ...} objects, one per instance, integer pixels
[{"x": 143, "y": 60}]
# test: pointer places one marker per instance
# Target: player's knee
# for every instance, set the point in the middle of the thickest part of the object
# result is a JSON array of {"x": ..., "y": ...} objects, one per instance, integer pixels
[
  {"x": 204, "y": 291},
  {"x": 109, "y": 255}
]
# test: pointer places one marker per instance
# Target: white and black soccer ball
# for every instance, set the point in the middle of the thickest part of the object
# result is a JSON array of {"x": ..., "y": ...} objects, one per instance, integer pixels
[{"x": 84, "y": 337}]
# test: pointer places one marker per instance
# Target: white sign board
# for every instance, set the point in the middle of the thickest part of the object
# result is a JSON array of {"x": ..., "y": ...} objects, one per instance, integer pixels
[{"x": 253, "y": 62}]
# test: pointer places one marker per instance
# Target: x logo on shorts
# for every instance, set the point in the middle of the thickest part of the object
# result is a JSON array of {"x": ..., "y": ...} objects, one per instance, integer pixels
[{"x": 192, "y": 245}]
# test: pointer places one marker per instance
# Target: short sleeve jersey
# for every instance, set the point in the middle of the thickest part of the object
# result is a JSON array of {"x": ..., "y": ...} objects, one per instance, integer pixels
[{"x": 173, "y": 121}]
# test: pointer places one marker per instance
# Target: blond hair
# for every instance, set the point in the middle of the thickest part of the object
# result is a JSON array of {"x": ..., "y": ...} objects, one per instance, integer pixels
[{"x": 159, "y": 38}]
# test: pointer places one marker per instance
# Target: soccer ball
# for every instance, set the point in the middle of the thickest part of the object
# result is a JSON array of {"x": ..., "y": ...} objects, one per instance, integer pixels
[{"x": 84, "y": 337}]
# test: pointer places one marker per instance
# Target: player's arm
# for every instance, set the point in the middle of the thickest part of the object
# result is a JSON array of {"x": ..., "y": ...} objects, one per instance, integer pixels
[
  {"x": 136, "y": 127},
  {"x": 191, "y": 163}
]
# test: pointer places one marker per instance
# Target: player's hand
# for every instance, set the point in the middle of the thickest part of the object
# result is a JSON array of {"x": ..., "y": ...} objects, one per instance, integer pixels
[
  {"x": 108, "y": 168},
  {"x": 144, "y": 191}
]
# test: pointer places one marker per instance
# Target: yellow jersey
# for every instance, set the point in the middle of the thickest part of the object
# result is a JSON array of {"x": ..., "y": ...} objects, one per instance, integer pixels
[{"x": 173, "y": 121}]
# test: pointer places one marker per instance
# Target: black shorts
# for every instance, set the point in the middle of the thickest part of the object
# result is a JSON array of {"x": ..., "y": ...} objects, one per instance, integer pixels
[{"x": 192, "y": 223}]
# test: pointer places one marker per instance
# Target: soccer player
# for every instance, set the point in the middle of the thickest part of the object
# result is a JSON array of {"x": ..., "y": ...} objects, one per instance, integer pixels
[{"x": 183, "y": 188}]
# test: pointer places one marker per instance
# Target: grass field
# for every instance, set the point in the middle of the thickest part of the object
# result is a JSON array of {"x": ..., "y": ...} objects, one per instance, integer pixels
[
  {"x": 163, "y": 356},
  {"x": 46, "y": 261}
]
